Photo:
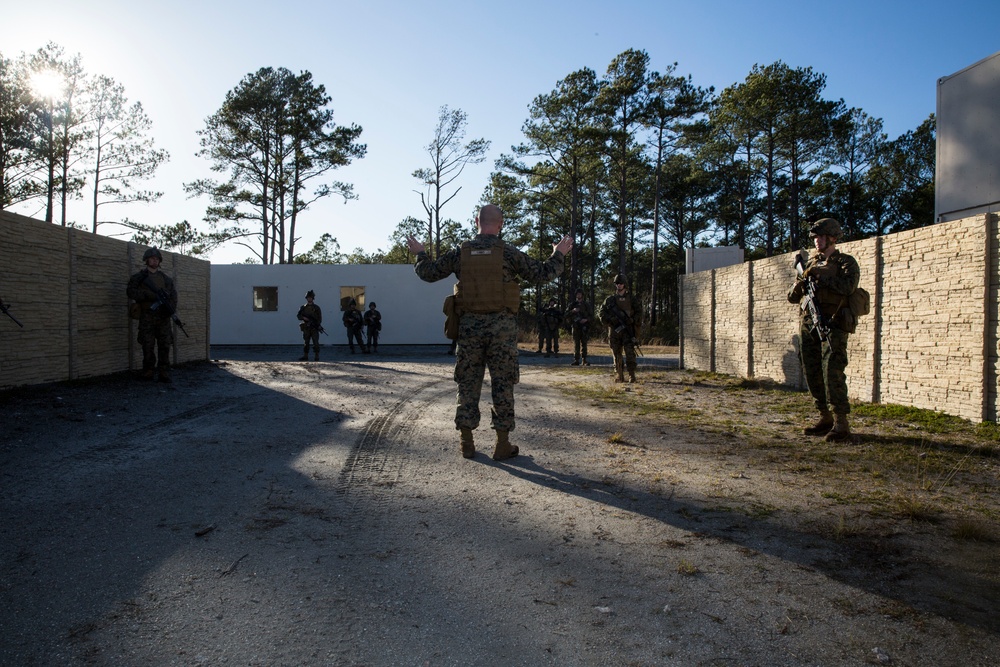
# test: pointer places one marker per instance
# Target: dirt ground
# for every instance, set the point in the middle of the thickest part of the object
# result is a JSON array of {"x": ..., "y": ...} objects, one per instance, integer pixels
[{"x": 262, "y": 511}]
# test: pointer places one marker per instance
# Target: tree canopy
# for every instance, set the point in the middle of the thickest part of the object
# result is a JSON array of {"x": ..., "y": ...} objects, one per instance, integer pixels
[
  {"x": 639, "y": 164},
  {"x": 274, "y": 137},
  {"x": 65, "y": 134}
]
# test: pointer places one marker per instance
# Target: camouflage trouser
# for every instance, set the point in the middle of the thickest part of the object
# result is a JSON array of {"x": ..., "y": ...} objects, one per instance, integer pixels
[
  {"x": 354, "y": 334},
  {"x": 155, "y": 336},
  {"x": 486, "y": 341},
  {"x": 372, "y": 337},
  {"x": 824, "y": 365},
  {"x": 622, "y": 351},
  {"x": 310, "y": 335},
  {"x": 550, "y": 340},
  {"x": 579, "y": 342}
]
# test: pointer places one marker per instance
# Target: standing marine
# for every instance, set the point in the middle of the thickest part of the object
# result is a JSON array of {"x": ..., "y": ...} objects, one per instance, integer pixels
[
  {"x": 549, "y": 320},
  {"x": 578, "y": 322},
  {"x": 373, "y": 325},
  {"x": 622, "y": 314},
  {"x": 354, "y": 323},
  {"x": 153, "y": 290},
  {"x": 488, "y": 298},
  {"x": 310, "y": 318},
  {"x": 823, "y": 348}
]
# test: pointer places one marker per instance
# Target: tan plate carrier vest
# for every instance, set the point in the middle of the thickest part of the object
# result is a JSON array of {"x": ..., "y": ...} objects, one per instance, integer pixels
[{"x": 481, "y": 289}]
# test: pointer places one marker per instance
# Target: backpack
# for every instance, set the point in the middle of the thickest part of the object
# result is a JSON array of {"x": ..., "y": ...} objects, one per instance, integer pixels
[{"x": 860, "y": 302}]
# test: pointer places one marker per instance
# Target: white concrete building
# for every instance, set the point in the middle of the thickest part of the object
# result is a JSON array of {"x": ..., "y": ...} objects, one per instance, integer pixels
[
  {"x": 254, "y": 304},
  {"x": 967, "y": 174}
]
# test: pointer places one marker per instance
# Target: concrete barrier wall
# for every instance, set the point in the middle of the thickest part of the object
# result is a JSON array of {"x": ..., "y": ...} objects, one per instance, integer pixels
[
  {"x": 67, "y": 287},
  {"x": 930, "y": 341}
]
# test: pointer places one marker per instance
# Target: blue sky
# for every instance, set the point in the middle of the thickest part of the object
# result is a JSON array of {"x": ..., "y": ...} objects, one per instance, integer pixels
[{"x": 390, "y": 65}]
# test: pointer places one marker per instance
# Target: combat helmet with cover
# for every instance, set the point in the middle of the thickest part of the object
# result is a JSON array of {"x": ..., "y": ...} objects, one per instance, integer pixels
[
  {"x": 826, "y": 227},
  {"x": 151, "y": 252}
]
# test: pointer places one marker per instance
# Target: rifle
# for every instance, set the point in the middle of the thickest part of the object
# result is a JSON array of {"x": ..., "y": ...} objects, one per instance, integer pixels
[
  {"x": 313, "y": 324},
  {"x": 3, "y": 308},
  {"x": 626, "y": 324},
  {"x": 809, "y": 301},
  {"x": 163, "y": 301},
  {"x": 575, "y": 317}
]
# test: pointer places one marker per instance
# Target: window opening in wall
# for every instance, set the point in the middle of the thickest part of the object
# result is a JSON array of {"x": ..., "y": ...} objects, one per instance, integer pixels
[
  {"x": 265, "y": 298},
  {"x": 356, "y": 293}
]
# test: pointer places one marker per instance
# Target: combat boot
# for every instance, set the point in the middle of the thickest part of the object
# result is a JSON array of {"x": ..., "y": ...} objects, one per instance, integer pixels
[
  {"x": 316, "y": 355},
  {"x": 576, "y": 362},
  {"x": 305, "y": 354},
  {"x": 165, "y": 375},
  {"x": 822, "y": 425},
  {"x": 841, "y": 429},
  {"x": 631, "y": 377},
  {"x": 147, "y": 374},
  {"x": 468, "y": 445},
  {"x": 504, "y": 450},
  {"x": 585, "y": 362}
]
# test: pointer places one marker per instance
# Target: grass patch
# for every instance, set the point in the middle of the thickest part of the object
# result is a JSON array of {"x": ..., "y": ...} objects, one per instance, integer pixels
[
  {"x": 928, "y": 421},
  {"x": 687, "y": 568},
  {"x": 973, "y": 531},
  {"x": 905, "y": 464},
  {"x": 913, "y": 508}
]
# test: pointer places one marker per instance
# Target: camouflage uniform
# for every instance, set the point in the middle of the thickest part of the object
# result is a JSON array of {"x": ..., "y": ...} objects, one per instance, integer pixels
[
  {"x": 354, "y": 322},
  {"x": 155, "y": 330},
  {"x": 487, "y": 339},
  {"x": 549, "y": 320},
  {"x": 373, "y": 325},
  {"x": 824, "y": 363},
  {"x": 311, "y": 317},
  {"x": 620, "y": 335},
  {"x": 578, "y": 321}
]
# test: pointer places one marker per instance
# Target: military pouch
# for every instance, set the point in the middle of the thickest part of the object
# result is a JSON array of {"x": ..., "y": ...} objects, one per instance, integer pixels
[
  {"x": 860, "y": 302},
  {"x": 846, "y": 321},
  {"x": 450, "y": 318}
]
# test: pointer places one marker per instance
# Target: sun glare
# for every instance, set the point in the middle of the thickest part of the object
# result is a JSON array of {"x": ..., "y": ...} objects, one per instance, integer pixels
[{"x": 48, "y": 84}]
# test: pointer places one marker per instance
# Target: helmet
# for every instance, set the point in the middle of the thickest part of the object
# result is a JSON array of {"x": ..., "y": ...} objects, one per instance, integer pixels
[
  {"x": 620, "y": 279},
  {"x": 371, "y": 305},
  {"x": 310, "y": 294},
  {"x": 152, "y": 252},
  {"x": 825, "y": 227}
]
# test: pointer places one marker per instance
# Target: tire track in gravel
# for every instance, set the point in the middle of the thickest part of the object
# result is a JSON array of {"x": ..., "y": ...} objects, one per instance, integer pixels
[{"x": 374, "y": 465}]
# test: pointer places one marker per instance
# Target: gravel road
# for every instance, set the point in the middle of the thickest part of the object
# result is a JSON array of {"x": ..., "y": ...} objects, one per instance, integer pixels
[{"x": 260, "y": 511}]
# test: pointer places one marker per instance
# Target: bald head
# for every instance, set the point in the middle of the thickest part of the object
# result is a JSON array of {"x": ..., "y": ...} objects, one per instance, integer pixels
[{"x": 490, "y": 218}]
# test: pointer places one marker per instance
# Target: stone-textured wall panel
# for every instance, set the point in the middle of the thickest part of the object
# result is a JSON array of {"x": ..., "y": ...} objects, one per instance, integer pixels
[
  {"x": 775, "y": 322},
  {"x": 931, "y": 338},
  {"x": 67, "y": 287},
  {"x": 732, "y": 310},
  {"x": 697, "y": 320},
  {"x": 933, "y": 317}
]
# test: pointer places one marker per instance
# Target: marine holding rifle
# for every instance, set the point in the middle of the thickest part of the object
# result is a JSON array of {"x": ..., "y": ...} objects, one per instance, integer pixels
[
  {"x": 310, "y": 318},
  {"x": 622, "y": 314},
  {"x": 822, "y": 290},
  {"x": 154, "y": 292}
]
